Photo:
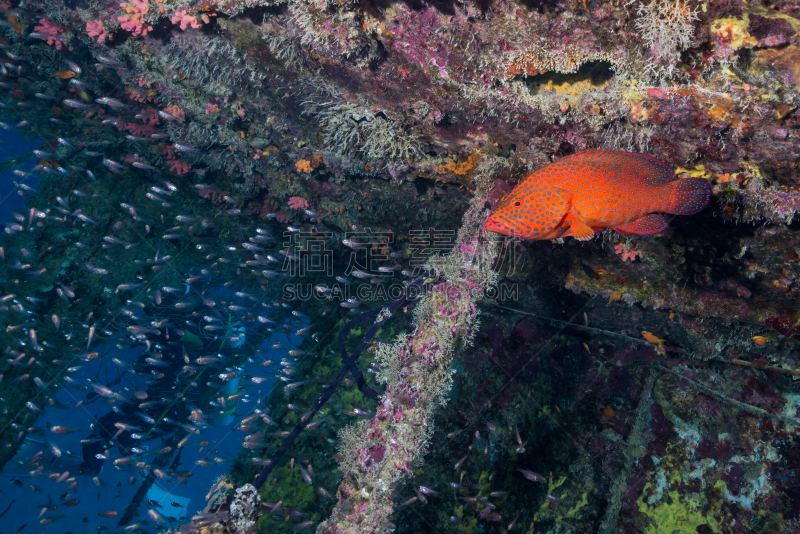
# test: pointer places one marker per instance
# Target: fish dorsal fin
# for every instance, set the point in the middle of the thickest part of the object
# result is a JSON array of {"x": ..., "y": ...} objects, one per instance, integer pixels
[
  {"x": 635, "y": 166},
  {"x": 580, "y": 230}
]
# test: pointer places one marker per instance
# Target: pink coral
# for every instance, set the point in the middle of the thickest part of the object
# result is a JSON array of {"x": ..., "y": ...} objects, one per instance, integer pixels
[
  {"x": 282, "y": 218},
  {"x": 211, "y": 108},
  {"x": 138, "y": 97},
  {"x": 51, "y": 30},
  {"x": 627, "y": 253},
  {"x": 134, "y": 20},
  {"x": 48, "y": 27},
  {"x": 150, "y": 117},
  {"x": 297, "y": 203},
  {"x": 185, "y": 20},
  {"x": 95, "y": 28},
  {"x": 218, "y": 198},
  {"x": 140, "y": 130},
  {"x": 178, "y": 166}
]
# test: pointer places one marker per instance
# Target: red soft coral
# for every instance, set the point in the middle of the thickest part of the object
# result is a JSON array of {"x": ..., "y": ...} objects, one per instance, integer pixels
[
  {"x": 48, "y": 27},
  {"x": 627, "y": 253},
  {"x": 150, "y": 117},
  {"x": 178, "y": 166},
  {"x": 137, "y": 96},
  {"x": 185, "y": 20},
  {"x": 51, "y": 30},
  {"x": 95, "y": 28},
  {"x": 140, "y": 130},
  {"x": 297, "y": 203},
  {"x": 134, "y": 20}
]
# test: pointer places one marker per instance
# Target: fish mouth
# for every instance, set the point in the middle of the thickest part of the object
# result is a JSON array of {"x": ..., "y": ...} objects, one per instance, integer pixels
[{"x": 499, "y": 226}]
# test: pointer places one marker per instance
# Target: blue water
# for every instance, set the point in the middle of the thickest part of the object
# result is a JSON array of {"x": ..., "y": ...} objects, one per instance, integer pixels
[
  {"x": 12, "y": 145},
  {"x": 116, "y": 486}
]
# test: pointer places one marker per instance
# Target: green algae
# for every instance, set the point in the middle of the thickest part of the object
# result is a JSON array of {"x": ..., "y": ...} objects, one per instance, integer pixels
[{"x": 287, "y": 486}]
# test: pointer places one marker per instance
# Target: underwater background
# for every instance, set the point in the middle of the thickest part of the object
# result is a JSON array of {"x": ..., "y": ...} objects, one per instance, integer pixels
[{"x": 261, "y": 266}]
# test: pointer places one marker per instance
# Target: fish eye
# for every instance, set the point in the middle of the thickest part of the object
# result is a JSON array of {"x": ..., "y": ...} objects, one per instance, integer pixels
[{"x": 516, "y": 203}]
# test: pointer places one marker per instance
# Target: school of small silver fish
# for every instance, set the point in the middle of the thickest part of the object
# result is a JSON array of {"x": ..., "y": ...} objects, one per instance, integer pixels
[{"x": 195, "y": 306}]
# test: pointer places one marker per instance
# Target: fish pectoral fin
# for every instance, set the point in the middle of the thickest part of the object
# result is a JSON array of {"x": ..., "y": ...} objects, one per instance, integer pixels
[
  {"x": 650, "y": 224},
  {"x": 580, "y": 230}
]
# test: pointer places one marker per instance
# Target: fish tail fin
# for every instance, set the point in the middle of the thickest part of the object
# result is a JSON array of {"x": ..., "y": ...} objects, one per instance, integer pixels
[{"x": 687, "y": 196}]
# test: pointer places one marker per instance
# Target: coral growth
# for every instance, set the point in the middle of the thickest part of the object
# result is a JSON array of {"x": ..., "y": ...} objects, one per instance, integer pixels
[
  {"x": 51, "y": 31},
  {"x": 306, "y": 166},
  {"x": 150, "y": 117},
  {"x": 96, "y": 29},
  {"x": 303, "y": 166},
  {"x": 185, "y": 20},
  {"x": 667, "y": 28},
  {"x": 297, "y": 203},
  {"x": 140, "y": 130},
  {"x": 133, "y": 19},
  {"x": 175, "y": 111},
  {"x": 140, "y": 96},
  {"x": 244, "y": 509},
  {"x": 460, "y": 169},
  {"x": 352, "y": 130},
  {"x": 178, "y": 166},
  {"x": 627, "y": 252}
]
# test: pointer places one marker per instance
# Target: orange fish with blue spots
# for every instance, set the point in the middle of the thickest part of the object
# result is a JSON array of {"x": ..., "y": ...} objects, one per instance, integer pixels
[{"x": 594, "y": 190}]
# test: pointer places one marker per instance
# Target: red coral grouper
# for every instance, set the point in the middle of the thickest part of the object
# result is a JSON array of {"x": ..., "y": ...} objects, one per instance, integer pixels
[{"x": 594, "y": 190}]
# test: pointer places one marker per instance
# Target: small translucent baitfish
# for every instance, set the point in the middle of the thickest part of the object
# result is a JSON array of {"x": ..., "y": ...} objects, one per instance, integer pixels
[{"x": 594, "y": 190}]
